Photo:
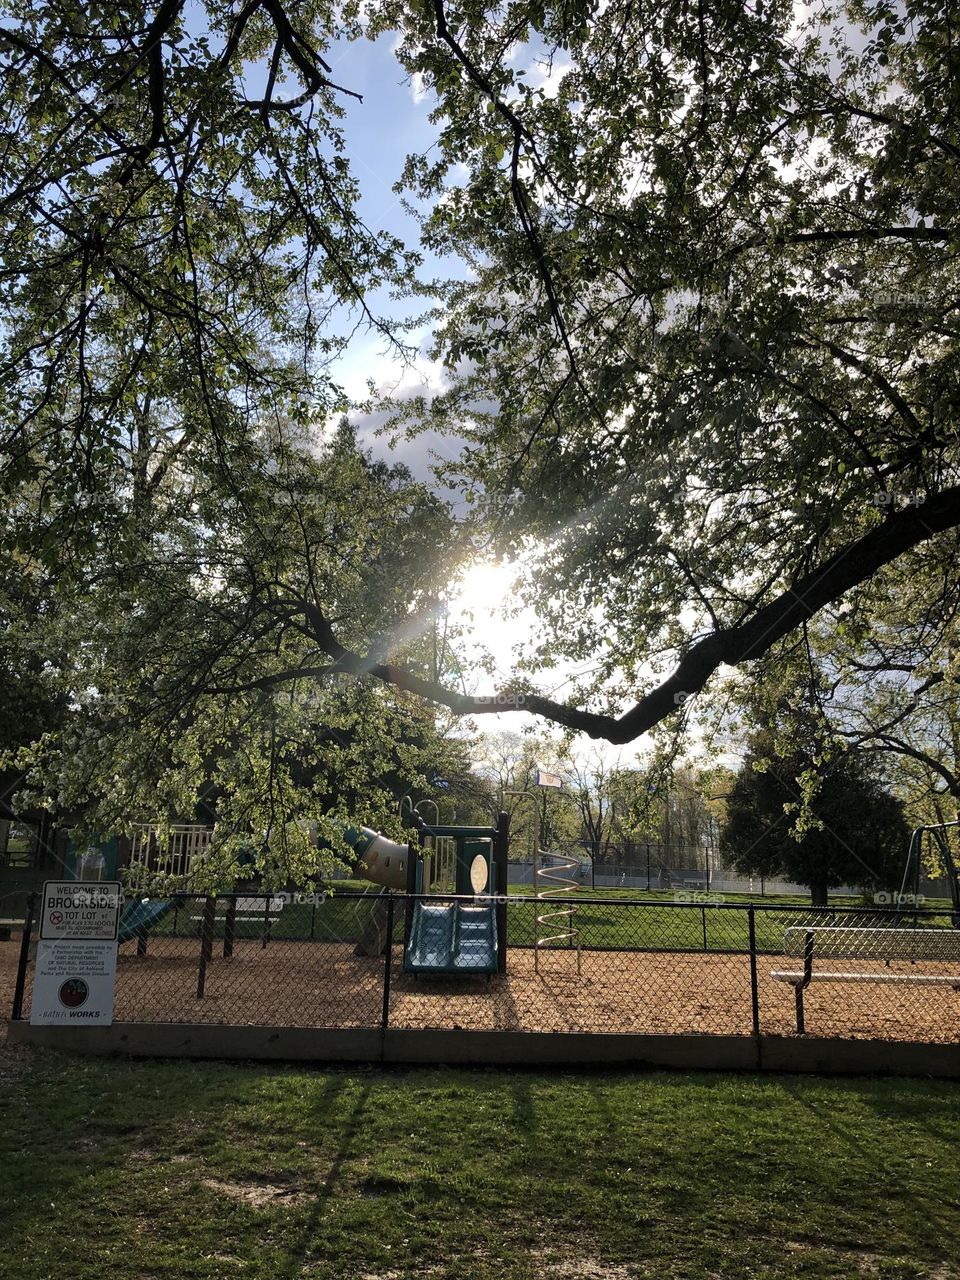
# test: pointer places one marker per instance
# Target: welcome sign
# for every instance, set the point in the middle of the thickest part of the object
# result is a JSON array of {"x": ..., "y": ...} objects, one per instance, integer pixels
[
  {"x": 75, "y": 975},
  {"x": 80, "y": 911}
]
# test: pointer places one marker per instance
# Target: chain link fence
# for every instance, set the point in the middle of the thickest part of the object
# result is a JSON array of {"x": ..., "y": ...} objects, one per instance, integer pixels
[{"x": 301, "y": 960}]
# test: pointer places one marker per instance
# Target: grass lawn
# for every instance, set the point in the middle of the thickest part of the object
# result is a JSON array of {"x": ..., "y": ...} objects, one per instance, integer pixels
[
  {"x": 601, "y": 919},
  {"x": 142, "y": 1171}
]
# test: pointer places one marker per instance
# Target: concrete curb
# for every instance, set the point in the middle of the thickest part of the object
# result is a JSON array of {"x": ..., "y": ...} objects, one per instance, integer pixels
[{"x": 500, "y": 1048}]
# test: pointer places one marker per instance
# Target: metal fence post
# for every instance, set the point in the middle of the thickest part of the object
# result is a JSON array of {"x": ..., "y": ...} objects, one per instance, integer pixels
[
  {"x": 17, "y": 1012},
  {"x": 387, "y": 965},
  {"x": 230, "y": 927},
  {"x": 206, "y": 943},
  {"x": 501, "y": 885},
  {"x": 754, "y": 991},
  {"x": 807, "y": 978}
]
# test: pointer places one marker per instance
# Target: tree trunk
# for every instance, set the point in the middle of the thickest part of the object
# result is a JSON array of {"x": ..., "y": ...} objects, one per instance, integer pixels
[
  {"x": 818, "y": 894},
  {"x": 373, "y": 936}
]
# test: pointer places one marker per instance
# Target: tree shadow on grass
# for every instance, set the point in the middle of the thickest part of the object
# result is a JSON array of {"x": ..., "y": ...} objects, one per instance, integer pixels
[
  {"x": 941, "y": 1231},
  {"x": 302, "y": 1238},
  {"x": 88, "y": 1138}
]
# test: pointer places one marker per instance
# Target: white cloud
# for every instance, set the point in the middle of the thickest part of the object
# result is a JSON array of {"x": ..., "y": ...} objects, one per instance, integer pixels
[{"x": 547, "y": 74}]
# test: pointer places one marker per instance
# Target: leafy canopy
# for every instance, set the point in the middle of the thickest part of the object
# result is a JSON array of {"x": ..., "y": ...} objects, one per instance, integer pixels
[
  {"x": 703, "y": 356},
  {"x": 818, "y": 822},
  {"x": 706, "y": 354}
]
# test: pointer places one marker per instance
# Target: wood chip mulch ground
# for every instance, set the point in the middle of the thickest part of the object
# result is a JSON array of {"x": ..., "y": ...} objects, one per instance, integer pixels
[{"x": 325, "y": 985}]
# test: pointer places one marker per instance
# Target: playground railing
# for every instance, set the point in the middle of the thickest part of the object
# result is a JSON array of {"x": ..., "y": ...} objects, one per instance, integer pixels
[{"x": 691, "y": 964}]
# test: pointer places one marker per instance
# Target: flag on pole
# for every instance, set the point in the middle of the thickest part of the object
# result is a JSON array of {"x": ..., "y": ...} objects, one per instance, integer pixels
[{"x": 545, "y": 779}]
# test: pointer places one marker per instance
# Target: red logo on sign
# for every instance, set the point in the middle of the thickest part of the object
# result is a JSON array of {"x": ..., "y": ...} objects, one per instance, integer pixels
[
  {"x": 56, "y": 917},
  {"x": 73, "y": 993}
]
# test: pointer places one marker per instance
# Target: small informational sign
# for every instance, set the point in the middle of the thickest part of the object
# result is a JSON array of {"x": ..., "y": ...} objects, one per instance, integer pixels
[
  {"x": 75, "y": 975},
  {"x": 545, "y": 779},
  {"x": 74, "y": 982},
  {"x": 80, "y": 911}
]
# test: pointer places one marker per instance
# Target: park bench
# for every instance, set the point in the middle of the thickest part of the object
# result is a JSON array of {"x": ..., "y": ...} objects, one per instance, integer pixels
[
  {"x": 259, "y": 912},
  {"x": 859, "y": 943}
]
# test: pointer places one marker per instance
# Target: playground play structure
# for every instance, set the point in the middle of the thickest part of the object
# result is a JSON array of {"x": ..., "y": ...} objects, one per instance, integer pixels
[
  {"x": 450, "y": 926},
  {"x": 457, "y": 878},
  {"x": 405, "y": 954},
  {"x": 453, "y": 873},
  {"x": 454, "y": 879}
]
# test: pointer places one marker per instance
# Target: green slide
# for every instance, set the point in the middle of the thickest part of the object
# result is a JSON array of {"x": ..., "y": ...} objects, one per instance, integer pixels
[
  {"x": 452, "y": 937},
  {"x": 142, "y": 915}
]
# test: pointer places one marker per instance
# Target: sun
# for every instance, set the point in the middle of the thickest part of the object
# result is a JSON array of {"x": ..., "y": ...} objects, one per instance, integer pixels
[
  {"x": 495, "y": 627},
  {"x": 486, "y": 588}
]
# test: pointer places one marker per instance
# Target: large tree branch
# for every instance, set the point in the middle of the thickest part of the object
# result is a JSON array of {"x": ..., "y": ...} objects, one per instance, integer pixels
[
  {"x": 840, "y": 235},
  {"x": 847, "y": 568},
  {"x": 896, "y": 746}
]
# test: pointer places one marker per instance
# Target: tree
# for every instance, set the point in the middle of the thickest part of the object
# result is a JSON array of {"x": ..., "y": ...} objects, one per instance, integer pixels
[
  {"x": 195, "y": 666},
  {"x": 851, "y": 829},
  {"x": 180, "y": 250},
  {"x": 181, "y": 261},
  {"x": 31, "y": 703},
  {"x": 591, "y": 780},
  {"x": 508, "y": 763},
  {"x": 889, "y": 689},
  {"x": 702, "y": 354},
  {"x": 878, "y": 678},
  {"x": 706, "y": 351},
  {"x": 662, "y": 804},
  {"x": 687, "y": 825}
]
